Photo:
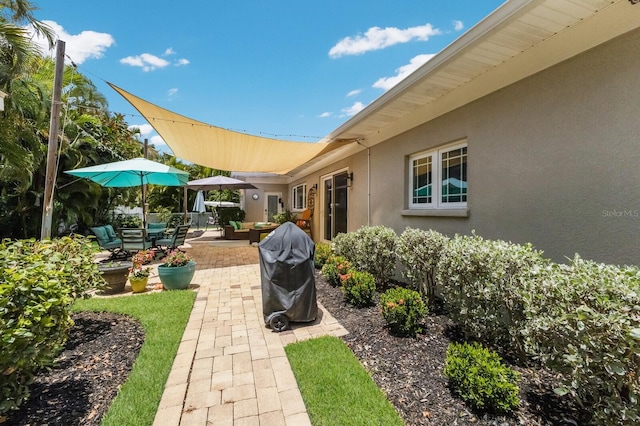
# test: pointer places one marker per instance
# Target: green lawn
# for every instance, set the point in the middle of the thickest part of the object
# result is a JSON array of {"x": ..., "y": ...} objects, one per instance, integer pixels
[
  {"x": 164, "y": 316},
  {"x": 335, "y": 387}
]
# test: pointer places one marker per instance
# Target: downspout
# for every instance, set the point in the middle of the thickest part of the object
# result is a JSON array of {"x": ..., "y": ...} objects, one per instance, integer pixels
[{"x": 368, "y": 181}]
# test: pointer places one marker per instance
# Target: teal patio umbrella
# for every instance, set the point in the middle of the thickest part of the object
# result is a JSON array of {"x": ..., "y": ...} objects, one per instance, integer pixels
[{"x": 136, "y": 172}]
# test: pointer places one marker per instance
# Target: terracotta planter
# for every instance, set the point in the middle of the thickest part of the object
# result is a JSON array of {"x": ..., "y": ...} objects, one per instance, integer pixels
[
  {"x": 115, "y": 274},
  {"x": 138, "y": 285},
  {"x": 177, "y": 277}
]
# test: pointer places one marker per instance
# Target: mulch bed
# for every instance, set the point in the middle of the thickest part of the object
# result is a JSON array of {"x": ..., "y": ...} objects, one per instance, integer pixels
[
  {"x": 96, "y": 361},
  {"x": 409, "y": 371}
]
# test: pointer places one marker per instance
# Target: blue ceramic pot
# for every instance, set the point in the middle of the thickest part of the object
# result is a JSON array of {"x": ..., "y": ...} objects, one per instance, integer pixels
[{"x": 177, "y": 277}]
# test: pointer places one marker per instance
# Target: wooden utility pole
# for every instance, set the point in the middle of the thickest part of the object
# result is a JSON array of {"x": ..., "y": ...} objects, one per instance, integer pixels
[{"x": 52, "y": 153}]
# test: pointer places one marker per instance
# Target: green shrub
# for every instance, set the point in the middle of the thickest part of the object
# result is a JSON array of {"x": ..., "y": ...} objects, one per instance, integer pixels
[
  {"x": 323, "y": 251},
  {"x": 359, "y": 288},
  {"x": 225, "y": 214},
  {"x": 478, "y": 376},
  {"x": 334, "y": 267},
  {"x": 403, "y": 309},
  {"x": 585, "y": 324},
  {"x": 370, "y": 249},
  {"x": 419, "y": 251},
  {"x": 346, "y": 245},
  {"x": 284, "y": 217},
  {"x": 487, "y": 287},
  {"x": 39, "y": 281},
  {"x": 127, "y": 221}
]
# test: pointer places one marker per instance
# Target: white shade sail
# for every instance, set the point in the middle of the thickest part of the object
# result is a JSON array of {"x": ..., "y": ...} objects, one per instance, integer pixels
[{"x": 222, "y": 149}]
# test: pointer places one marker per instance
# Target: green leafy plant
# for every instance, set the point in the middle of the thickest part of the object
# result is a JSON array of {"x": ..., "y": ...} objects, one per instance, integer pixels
[
  {"x": 283, "y": 217},
  {"x": 334, "y": 267},
  {"x": 585, "y": 324},
  {"x": 39, "y": 280},
  {"x": 370, "y": 249},
  {"x": 322, "y": 253},
  {"x": 225, "y": 214},
  {"x": 419, "y": 252},
  {"x": 403, "y": 310},
  {"x": 487, "y": 287},
  {"x": 139, "y": 259},
  {"x": 478, "y": 376},
  {"x": 176, "y": 258},
  {"x": 359, "y": 288},
  {"x": 127, "y": 221}
]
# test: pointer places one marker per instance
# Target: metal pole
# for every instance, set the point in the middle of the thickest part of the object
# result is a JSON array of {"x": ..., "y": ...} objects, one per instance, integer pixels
[
  {"x": 144, "y": 189},
  {"x": 50, "y": 178}
]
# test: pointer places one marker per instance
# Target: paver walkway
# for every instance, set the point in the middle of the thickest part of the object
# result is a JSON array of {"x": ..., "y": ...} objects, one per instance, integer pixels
[{"x": 230, "y": 368}]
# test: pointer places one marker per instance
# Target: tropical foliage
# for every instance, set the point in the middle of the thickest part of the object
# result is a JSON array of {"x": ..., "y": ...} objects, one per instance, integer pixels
[{"x": 89, "y": 135}]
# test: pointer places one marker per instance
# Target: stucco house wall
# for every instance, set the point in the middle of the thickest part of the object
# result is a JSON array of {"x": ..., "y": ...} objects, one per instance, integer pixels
[{"x": 552, "y": 160}]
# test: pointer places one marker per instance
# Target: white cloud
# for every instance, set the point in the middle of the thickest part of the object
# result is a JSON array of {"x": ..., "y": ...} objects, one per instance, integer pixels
[
  {"x": 182, "y": 61},
  {"x": 325, "y": 115},
  {"x": 146, "y": 61},
  {"x": 353, "y": 109},
  {"x": 378, "y": 38},
  {"x": 354, "y": 93},
  {"x": 169, "y": 51},
  {"x": 157, "y": 140},
  {"x": 79, "y": 47},
  {"x": 172, "y": 91},
  {"x": 386, "y": 83},
  {"x": 458, "y": 25},
  {"x": 145, "y": 129}
]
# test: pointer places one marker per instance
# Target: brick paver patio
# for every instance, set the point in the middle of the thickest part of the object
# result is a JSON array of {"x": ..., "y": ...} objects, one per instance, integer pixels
[{"x": 230, "y": 368}]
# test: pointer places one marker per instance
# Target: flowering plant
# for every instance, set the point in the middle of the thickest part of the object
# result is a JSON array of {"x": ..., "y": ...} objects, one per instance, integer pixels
[
  {"x": 176, "y": 258},
  {"x": 141, "y": 258}
]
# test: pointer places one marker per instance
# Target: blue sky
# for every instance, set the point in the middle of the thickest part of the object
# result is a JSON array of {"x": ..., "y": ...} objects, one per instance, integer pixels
[{"x": 294, "y": 70}]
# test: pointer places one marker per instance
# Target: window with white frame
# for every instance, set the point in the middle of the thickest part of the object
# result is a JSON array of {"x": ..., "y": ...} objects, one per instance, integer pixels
[
  {"x": 438, "y": 178},
  {"x": 299, "y": 197}
]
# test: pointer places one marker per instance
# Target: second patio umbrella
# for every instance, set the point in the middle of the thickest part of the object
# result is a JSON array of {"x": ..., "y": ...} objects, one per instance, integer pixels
[{"x": 136, "y": 172}]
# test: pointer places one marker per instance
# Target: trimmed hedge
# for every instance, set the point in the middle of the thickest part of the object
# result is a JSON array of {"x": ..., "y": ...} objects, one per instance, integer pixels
[
  {"x": 585, "y": 324},
  {"x": 419, "y": 251},
  {"x": 39, "y": 280},
  {"x": 371, "y": 249},
  {"x": 487, "y": 287}
]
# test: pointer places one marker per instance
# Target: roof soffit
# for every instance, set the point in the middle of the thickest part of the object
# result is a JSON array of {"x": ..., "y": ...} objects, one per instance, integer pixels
[{"x": 519, "y": 39}]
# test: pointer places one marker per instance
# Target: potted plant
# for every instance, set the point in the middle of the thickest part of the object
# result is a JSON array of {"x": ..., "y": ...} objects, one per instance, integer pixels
[
  {"x": 139, "y": 275},
  {"x": 176, "y": 270},
  {"x": 115, "y": 275}
]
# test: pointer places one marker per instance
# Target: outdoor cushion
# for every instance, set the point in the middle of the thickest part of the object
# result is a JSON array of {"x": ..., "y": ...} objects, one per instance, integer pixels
[
  {"x": 111, "y": 232},
  {"x": 101, "y": 234},
  {"x": 234, "y": 224}
]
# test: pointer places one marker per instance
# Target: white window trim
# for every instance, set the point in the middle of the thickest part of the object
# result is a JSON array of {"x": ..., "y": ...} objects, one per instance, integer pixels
[
  {"x": 436, "y": 201},
  {"x": 304, "y": 197}
]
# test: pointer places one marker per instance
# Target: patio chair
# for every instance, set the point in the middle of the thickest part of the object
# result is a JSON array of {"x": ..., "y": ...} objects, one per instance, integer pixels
[
  {"x": 174, "y": 241},
  {"x": 108, "y": 240},
  {"x": 156, "y": 230},
  {"x": 212, "y": 220},
  {"x": 304, "y": 221},
  {"x": 134, "y": 239}
]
